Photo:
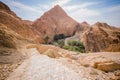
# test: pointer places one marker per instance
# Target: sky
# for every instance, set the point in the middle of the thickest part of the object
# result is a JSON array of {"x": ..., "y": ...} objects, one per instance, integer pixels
[{"x": 91, "y": 11}]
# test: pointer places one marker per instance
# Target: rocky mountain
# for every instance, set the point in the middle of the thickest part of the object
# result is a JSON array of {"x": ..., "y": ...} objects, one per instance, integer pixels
[
  {"x": 98, "y": 37},
  {"x": 20, "y": 59},
  {"x": 55, "y": 21},
  {"x": 101, "y": 37},
  {"x": 82, "y": 27},
  {"x": 13, "y": 22}
]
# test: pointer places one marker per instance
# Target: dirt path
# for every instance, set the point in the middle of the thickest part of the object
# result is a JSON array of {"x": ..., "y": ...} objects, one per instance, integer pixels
[{"x": 41, "y": 67}]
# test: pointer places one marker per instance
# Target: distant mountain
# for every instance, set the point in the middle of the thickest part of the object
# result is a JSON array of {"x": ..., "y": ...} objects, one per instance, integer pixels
[{"x": 55, "y": 21}]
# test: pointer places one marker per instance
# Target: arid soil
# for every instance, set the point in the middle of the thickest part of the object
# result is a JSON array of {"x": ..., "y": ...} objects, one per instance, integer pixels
[{"x": 75, "y": 67}]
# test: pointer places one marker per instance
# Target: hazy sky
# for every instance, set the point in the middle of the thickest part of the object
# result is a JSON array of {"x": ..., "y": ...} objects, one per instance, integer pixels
[{"x": 81, "y": 10}]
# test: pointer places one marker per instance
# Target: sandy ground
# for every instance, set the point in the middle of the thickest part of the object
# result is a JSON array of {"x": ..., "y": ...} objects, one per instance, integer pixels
[{"x": 41, "y": 67}]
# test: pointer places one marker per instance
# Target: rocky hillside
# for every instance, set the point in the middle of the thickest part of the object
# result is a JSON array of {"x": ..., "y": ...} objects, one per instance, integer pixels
[
  {"x": 20, "y": 59},
  {"x": 97, "y": 37},
  {"x": 101, "y": 37},
  {"x": 9, "y": 18},
  {"x": 12, "y": 50},
  {"x": 55, "y": 21}
]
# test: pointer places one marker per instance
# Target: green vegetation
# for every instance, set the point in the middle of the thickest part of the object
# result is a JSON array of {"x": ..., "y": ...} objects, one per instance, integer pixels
[
  {"x": 59, "y": 43},
  {"x": 75, "y": 46},
  {"x": 58, "y": 37},
  {"x": 72, "y": 45}
]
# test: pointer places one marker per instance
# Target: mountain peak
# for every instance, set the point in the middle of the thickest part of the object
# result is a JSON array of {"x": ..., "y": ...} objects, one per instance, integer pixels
[
  {"x": 101, "y": 24},
  {"x": 85, "y": 23},
  {"x": 57, "y": 6},
  {"x": 55, "y": 21},
  {"x": 57, "y": 10}
]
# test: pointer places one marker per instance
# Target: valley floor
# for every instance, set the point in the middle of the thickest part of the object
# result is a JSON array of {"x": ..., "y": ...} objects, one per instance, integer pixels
[{"x": 42, "y": 67}]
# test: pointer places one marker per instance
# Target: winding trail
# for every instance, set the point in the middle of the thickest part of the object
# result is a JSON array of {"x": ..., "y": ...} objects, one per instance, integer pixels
[{"x": 41, "y": 67}]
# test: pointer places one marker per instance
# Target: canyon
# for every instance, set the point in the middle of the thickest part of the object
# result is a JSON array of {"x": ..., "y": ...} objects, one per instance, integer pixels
[{"x": 24, "y": 55}]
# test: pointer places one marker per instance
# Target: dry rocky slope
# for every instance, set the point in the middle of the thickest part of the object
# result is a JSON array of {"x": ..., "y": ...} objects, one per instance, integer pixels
[
  {"x": 12, "y": 51},
  {"x": 40, "y": 66},
  {"x": 10, "y": 19},
  {"x": 19, "y": 60},
  {"x": 102, "y": 37},
  {"x": 14, "y": 34},
  {"x": 55, "y": 21},
  {"x": 98, "y": 37}
]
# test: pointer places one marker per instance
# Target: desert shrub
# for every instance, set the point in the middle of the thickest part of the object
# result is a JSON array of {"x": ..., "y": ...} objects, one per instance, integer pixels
[
  {"x": 59, "y": 43},
  {"x": 75, "y": 46},
  {"x": 58, "y": 37}
]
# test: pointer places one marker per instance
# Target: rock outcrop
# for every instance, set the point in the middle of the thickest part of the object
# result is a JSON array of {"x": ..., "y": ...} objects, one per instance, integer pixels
[
  {"x": 55, "y": 21},
  {"x": 9, "y": 18},
  {"x": 11, "y": 51},
  {"x": 107, "y": 61},
  {"x": 9, "y": 38},
  {"x": 5, "y": 8},
  {"x": 100, "y": 37},
  {"x": 82, "y": 27}
]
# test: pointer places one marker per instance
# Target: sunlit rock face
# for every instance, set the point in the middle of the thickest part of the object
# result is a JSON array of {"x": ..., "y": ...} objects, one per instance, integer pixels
[
  {"x": 102, "y": 37},
  {"x": 55, "y": 21},
  {"x": 13, "y": 22}
]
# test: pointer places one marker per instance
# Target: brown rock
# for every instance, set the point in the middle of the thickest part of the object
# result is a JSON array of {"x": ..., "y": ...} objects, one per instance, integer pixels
[
  {"x": 103, "y": 61},
  {"x": 11, "y": 21},
  {"x": 108, "y": 66},
  {"x": 55, "y": 21},
  {"x": 52, "y": 53},
  {"x": 101, "y": 37}
]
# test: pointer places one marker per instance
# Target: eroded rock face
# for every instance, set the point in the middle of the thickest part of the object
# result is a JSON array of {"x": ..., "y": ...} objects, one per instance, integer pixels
[
  {"x": 82, "y": 27},
  {"x": 4, "y": 7},
  {"x": 55, "y": 21},
  {"x": 9, "y": 18},
  {"x": 8, "y": 38},
  {"x": 100, "y": 37}
]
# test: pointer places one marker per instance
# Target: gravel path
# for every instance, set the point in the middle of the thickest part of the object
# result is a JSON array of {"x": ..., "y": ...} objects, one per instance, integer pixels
[{"x": 41, "y": 67}]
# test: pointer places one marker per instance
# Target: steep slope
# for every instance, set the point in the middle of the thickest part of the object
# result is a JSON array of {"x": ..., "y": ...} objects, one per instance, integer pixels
[
  {"x": 55, "y": 21},
  {"x": 82, "y": 27},
  {"x": 11, "y": 50},
  {"x": 5, "y": 8},
  {"x": 9, "y": 38},
  {"x": 80, "y": 30},
  {"x": 101, "y": 37},
  {"x": 9, "y": 18}
]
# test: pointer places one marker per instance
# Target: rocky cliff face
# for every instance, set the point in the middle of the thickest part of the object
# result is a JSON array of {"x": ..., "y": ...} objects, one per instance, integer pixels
[
  {"x": 98, "y": 37},
  {"x": 55, "y": 21},
  {"x": 9, "y": 18},
  {"x": 101, "y": 37}
]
